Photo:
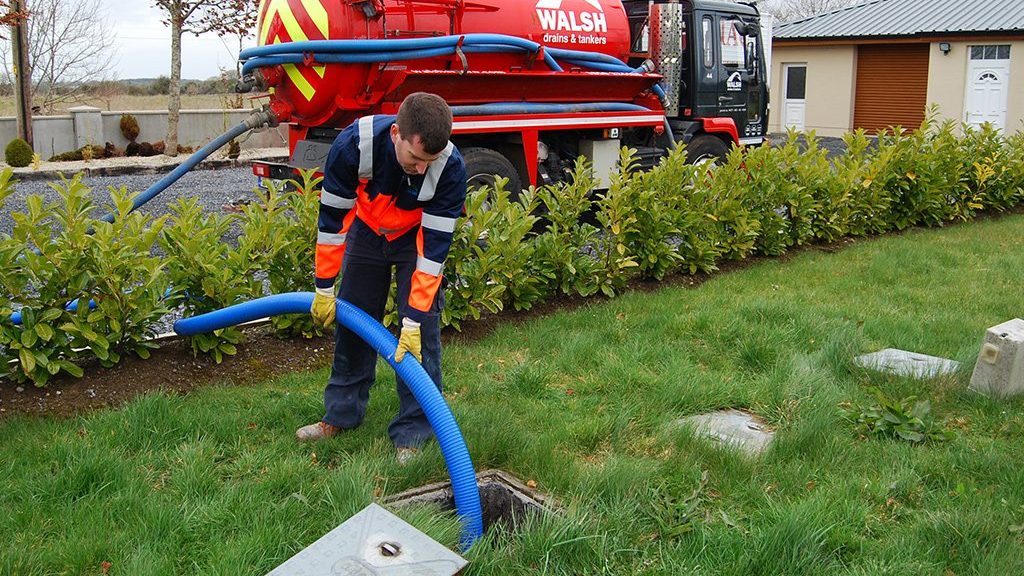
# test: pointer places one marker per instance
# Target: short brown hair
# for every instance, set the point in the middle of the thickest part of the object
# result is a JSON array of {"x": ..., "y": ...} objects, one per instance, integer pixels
[{"x": 427, "y": 116}]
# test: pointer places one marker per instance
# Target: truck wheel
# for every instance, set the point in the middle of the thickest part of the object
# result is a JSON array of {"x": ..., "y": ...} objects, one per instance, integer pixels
[
  {"x": 706, "y": 148},
  {"x": 483, "y": 164}
]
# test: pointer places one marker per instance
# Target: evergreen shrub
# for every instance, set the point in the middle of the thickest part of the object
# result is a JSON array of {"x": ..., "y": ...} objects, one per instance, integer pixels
[
  {"x": 18, "y": 153},
  {"x": 561, "y": 239}
]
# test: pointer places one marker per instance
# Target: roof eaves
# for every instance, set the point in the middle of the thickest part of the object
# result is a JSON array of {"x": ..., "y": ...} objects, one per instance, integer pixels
[{"x": 919, "y": 34}]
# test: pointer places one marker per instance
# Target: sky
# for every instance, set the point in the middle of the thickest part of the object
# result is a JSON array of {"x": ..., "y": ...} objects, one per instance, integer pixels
[{"x": 142, "y": 44}]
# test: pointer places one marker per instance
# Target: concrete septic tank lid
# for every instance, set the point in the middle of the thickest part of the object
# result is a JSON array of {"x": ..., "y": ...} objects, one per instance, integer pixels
[
  {"x": 373, "y": 542},
  {"x": 904, "y": 363},
  {"x": 734, "y": 428},
  {"x": 504, "y": 498}
]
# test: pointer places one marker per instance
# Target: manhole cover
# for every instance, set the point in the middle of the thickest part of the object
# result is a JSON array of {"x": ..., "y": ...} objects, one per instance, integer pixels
[
  {"x": 734, "y": 428},
  {"x": 504, "y": 499}
]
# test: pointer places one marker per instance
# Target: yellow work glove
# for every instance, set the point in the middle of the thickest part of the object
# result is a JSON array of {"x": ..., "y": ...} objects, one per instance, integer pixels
[
  {"x": 409, "y": 341},
  {"x": 323, "y": 307}
]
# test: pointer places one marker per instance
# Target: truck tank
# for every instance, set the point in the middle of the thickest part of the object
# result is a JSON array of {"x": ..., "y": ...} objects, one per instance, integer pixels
[{"x": 313, "y": 93}]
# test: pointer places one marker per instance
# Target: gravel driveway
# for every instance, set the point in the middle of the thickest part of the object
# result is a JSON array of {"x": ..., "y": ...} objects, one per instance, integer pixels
[{"x": 214, "y": 188}]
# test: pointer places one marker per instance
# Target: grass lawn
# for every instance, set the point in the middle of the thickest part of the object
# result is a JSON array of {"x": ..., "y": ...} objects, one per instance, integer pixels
[{"x": 582, "y": 402}]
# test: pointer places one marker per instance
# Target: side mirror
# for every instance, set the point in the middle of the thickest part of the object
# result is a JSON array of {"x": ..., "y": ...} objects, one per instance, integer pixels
[
  {"x": 752, "y": 62},
  {"x": 746, "y": 28}
]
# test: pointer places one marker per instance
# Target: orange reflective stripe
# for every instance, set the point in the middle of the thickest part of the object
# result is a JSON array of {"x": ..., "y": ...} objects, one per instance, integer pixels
[
  {"x": 424, "y": 286},
  {"x": 329, "y": 256},
  {"x": 423, "y": 290},
  {"x": 328, "y": 260}
]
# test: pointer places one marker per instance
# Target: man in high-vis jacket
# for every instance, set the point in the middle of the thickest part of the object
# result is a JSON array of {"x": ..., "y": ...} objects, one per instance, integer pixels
[{"x": 392, "y": 191}]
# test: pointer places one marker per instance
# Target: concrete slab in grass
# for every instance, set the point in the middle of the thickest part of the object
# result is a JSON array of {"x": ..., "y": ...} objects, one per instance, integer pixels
[
  {"x": 733, "y": 428},
  {"x": 374, "y": 541},
  {"x": 904, "y": 363}
]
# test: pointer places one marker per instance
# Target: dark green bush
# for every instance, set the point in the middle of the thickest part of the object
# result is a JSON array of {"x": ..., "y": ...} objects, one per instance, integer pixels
[
  {"x": 207, "y": 273},
  {"x": 18, "y": 153},
  {"x": 52, "y": 259},
  {"x": 281, "y": 229},
  {"x": 129, "y": 127},
  {"x": 674, "y": 218},
  {"x": 562, "y": 258}
]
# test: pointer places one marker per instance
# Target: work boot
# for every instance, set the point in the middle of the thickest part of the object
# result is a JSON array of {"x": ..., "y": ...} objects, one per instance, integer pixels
[
  {"x": 317, "y": 431},
  {"x": 405, "y": 454}
]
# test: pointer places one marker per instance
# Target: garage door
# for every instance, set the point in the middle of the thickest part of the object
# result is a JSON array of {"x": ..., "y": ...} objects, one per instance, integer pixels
[{"x": 892, "y": 86}]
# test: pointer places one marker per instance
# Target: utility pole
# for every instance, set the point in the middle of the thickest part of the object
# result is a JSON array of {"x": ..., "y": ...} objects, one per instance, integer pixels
[{"x": 22, "y": 73}]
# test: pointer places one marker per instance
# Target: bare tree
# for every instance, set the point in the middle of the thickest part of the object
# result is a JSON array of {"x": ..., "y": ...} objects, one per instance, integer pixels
[
  {"x": 197, "y": 17},
  {"x": 69, "y": 46},
  {"x": 9, "y": 17},
  {"x": 790, "y": 10}
]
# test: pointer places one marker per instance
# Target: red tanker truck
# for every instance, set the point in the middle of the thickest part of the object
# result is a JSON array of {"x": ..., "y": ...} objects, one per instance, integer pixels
[{"x": 532, "y": 83}]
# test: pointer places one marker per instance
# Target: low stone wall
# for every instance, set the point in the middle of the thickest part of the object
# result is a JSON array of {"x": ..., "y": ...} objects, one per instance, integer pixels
[{"x": 88, "y": 125}]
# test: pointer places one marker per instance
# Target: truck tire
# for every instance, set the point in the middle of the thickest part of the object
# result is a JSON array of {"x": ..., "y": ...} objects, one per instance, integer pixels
[
  {"x": 706, "y": 148},
  {"x": 483, "y": 164}
]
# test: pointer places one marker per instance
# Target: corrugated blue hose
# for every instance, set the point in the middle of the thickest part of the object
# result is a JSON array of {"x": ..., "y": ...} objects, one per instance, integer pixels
[
  {"x": 449, "y": 438},
  {"x": 255, "y": 120}
]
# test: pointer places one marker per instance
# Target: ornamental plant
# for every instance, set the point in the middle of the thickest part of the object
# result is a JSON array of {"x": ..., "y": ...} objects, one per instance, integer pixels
[
  {"x": 130, "y": 283},
  {"x": 206, "y": 273},
  {"x": 18, "y": 153},
  {"x": 129, "y": 126},
  {"x": 657, "y": 197},
  {"x": 84, "y": 288},
  {"x": 51, "y": 268},
  {"x": 867, "y": 201},
  {"x": 561, "y": 258},
  {"x": 489, "y": 264},
  {"x": 618, "y": 222},
  {"x": 283, "y": 227}
]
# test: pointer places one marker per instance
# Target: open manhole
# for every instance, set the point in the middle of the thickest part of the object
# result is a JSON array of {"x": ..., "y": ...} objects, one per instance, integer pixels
[{"x": 504, "y": 499}]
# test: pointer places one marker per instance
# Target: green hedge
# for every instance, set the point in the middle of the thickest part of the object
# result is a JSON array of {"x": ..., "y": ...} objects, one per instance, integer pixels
[{"x": 674, "y": 218}]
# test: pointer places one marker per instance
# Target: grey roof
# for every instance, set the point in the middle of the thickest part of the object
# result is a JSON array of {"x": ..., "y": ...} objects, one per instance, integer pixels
[{"x": 908, "y": 18}]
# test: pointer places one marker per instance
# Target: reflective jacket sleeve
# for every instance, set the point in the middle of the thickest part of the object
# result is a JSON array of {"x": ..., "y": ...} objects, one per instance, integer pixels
[
  {"x": 434, "y": 239},
  {"x": 337, "y": 203}
]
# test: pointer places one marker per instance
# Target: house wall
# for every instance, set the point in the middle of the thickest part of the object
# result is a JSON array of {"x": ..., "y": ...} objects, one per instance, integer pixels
[
  {"x": 832, "y": 69},
  {"x": 830, "y": 87},
  {"x": 947, "y": 81},
  {"x": 947, "y": 77}
]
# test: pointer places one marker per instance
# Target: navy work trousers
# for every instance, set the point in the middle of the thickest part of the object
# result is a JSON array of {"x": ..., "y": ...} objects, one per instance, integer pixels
[{"x": 366, "y": 273}]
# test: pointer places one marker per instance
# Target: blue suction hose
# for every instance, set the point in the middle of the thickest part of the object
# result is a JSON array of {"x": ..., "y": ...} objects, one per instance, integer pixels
[
  {"x": 257, "y": 119},
  {"x": 449, "y": 438},
  {"x": 362, "y": 51}
]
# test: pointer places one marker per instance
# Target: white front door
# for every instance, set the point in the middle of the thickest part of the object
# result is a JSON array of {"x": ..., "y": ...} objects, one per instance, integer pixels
[
  {"x": 988, "y": 81},
  {"x": 794, "y": 78}
]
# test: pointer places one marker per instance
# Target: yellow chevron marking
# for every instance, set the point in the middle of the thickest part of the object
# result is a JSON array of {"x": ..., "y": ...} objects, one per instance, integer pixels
[
  {"x": 291, "y": 24},
  {"x": 300, "y": 81},
  {"x": 318, "y": 14}
]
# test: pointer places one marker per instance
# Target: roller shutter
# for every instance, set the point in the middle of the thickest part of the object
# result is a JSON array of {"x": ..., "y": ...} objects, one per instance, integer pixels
[{"x": 892, "y": 86}]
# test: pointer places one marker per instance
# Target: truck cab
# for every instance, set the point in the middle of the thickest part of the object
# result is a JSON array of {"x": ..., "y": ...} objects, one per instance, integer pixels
[{"x": 711, "y": 54}]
